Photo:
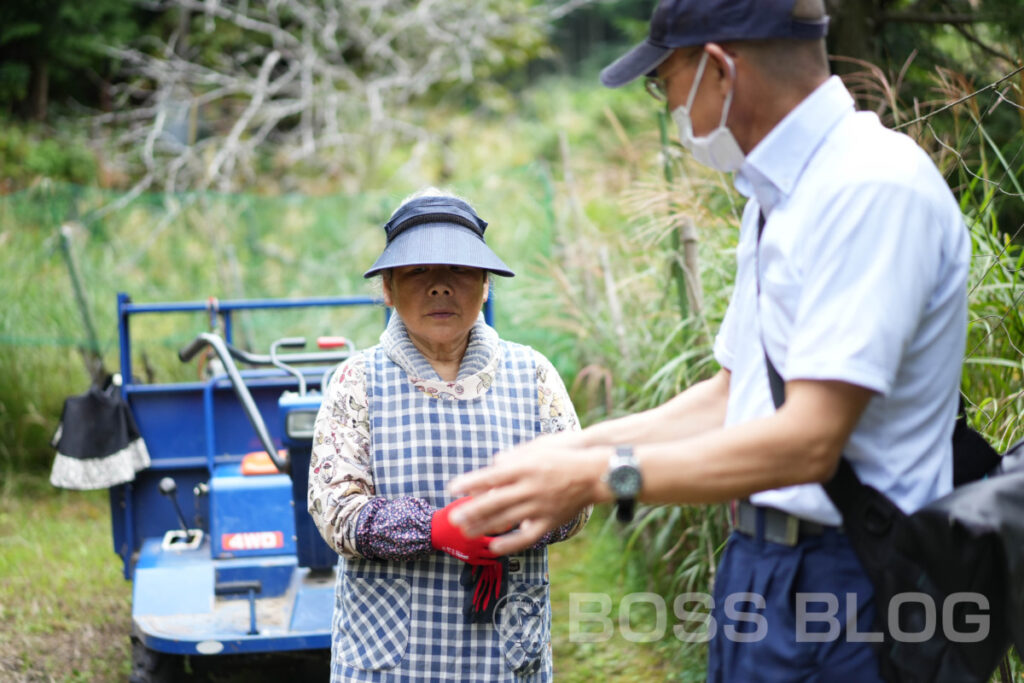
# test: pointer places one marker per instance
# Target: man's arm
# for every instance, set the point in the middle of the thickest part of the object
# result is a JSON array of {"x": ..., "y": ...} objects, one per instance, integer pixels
[
  {"x": 699, "y": 409},
  {"x": 539, "y": 489}
]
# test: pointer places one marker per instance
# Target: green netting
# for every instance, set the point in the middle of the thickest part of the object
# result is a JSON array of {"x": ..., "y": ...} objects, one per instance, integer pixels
[{"x": 192, "y": 246}]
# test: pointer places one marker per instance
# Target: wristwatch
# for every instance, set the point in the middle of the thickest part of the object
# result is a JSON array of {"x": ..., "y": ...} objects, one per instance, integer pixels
[{"x": 624, "y": 479}]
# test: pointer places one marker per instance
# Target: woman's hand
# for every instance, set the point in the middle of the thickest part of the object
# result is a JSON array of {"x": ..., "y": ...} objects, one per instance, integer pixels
[
  {"x": 539, "y": 486},
  {"x": 448, "y": 538}
]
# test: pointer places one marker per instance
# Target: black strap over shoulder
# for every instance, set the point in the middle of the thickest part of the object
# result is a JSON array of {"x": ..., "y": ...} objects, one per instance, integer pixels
[{"x": 778, "y": 387}]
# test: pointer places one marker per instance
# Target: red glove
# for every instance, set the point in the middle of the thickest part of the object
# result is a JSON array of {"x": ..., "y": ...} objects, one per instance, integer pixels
[{"x": 448, "y": 538}]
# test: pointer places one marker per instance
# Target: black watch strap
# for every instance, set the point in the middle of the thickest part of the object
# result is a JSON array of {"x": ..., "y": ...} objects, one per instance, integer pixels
[
  {"x": 624, "y": 510},
  {"x": 625, "y": 482}
]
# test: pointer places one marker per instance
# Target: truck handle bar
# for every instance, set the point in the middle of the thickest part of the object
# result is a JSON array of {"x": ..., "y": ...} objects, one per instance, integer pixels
[
  {"x": 289, "y": 343},
  {"x": 188, "y": 352},
  {"x": 265, "y": 359}
]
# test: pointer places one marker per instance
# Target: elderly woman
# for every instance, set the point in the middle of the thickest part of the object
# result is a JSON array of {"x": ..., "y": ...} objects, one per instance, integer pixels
[{"x": 416, "y": 600}]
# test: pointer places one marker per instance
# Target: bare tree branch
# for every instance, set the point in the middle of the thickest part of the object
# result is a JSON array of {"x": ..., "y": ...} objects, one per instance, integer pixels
[
  {"x": 568, "y": 8},
  {"x": 930, "y": 18},
  {"x": 313, "y": 78}
]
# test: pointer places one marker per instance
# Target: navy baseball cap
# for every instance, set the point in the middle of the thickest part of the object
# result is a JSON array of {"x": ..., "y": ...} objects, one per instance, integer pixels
[
  {"x": 683, "y": 23},
  {"x": 436, "y": 229}
]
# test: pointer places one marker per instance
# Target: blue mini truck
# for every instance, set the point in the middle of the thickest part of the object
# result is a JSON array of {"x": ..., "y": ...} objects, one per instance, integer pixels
[{"x": 214, "y": 535}]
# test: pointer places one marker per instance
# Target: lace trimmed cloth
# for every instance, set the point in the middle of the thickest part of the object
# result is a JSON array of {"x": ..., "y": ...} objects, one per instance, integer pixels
[{"x": 97, "y": 441}]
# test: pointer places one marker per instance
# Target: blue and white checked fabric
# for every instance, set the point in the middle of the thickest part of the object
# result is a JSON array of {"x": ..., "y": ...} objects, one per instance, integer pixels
[{"x": 397, "y": 622}]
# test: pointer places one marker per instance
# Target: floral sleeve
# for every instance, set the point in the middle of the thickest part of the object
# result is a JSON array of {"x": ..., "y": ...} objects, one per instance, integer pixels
[
  {"x": 557, "y": 414},
  {"x": 342, "y": 501}
]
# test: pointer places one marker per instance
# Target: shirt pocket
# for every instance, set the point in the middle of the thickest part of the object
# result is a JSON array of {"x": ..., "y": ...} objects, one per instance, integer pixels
[
  {"x": 371, "y": 622},
  {"x": 523, "y": 622}
]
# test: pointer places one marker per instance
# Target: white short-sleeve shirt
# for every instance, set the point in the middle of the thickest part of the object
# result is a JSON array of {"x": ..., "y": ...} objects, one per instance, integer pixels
[{"x": 863, "y": 268}]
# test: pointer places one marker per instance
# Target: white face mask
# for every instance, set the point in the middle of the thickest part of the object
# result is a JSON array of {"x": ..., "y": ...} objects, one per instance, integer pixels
[{"x": 718, "y": 149}]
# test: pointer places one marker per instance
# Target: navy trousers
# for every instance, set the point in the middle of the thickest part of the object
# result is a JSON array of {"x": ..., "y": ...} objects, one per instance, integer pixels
[{"x": 792, "y": 613}]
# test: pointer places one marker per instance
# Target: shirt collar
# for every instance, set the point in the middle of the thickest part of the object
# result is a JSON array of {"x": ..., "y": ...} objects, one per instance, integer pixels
[{"x": 771, "y": 170}]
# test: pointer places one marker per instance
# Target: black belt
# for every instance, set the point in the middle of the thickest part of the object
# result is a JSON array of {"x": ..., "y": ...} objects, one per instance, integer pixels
[{"x": 779, "y": 527}]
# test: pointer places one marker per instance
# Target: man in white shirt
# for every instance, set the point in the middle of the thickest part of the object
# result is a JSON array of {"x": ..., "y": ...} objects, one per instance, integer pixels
[{"x": 851, "y": 276}]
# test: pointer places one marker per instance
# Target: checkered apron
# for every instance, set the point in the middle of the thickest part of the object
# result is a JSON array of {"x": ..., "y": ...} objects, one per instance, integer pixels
[{"x": 404, "y": 621}]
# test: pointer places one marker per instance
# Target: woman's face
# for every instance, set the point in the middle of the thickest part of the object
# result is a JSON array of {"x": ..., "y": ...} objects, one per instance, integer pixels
[{"x": 437, "y": 303}]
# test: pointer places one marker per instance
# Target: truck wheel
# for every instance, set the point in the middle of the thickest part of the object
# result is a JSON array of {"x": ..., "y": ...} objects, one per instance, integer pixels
[{"x": 150, "y": 666}]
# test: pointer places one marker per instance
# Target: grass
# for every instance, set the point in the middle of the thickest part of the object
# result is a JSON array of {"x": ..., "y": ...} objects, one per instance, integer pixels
[
  {"x": 591, "y": 565},
  {"x": 64, "y": 605}
]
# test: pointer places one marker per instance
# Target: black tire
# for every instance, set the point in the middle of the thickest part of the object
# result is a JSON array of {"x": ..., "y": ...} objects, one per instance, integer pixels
[
  {"x": 299, "y": 666},
  {"x": 150, "y": 666}
]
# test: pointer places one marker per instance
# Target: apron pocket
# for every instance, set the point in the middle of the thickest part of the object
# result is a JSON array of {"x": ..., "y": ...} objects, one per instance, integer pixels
[
  {"x": 523, "y": 622},
  {"x": 371, "y": 629}
]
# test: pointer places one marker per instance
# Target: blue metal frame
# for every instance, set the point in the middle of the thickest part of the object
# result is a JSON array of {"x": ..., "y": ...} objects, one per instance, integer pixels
[{"x": 125, "y": 308}]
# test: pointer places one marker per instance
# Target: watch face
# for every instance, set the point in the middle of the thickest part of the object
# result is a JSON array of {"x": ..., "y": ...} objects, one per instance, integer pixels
[{"x": 624, "y": 481}]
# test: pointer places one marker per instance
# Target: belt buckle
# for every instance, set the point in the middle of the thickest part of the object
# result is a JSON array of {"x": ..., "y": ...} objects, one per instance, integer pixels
[{"x": 790, "y": 532}]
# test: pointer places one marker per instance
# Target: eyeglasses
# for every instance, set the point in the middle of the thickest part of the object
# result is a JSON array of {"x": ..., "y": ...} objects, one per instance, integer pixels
[{"x": 657, "y": 88}]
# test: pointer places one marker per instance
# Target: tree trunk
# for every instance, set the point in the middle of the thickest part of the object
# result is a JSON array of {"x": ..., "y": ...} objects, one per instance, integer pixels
[
  {"x": 184, "y": 23},
  {"x": 39, "y": 89},
  {"x": 106, "y": 100},
  {"x": 852, "y": 32}
]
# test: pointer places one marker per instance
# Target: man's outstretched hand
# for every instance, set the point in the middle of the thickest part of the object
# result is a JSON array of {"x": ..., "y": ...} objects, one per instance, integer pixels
[{"x": 539, "y": 486}]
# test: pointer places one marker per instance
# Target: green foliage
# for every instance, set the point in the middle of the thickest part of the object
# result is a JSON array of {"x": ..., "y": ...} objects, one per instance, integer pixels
[
  {"x": 30, "y": 153},
  {"x": 588, "y": 568},
  {"x": 994, "y": 370},
  {"x": 59, "y": 42},
  {"x": 1007, "y": 20},
  {"x": 998, "y": 24},
  {"x": 961, "y": 34},
  {"x": 596, "y": 33},
  {"x": 14, "y": 78},
  {"x": 51, "y": 159}
]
